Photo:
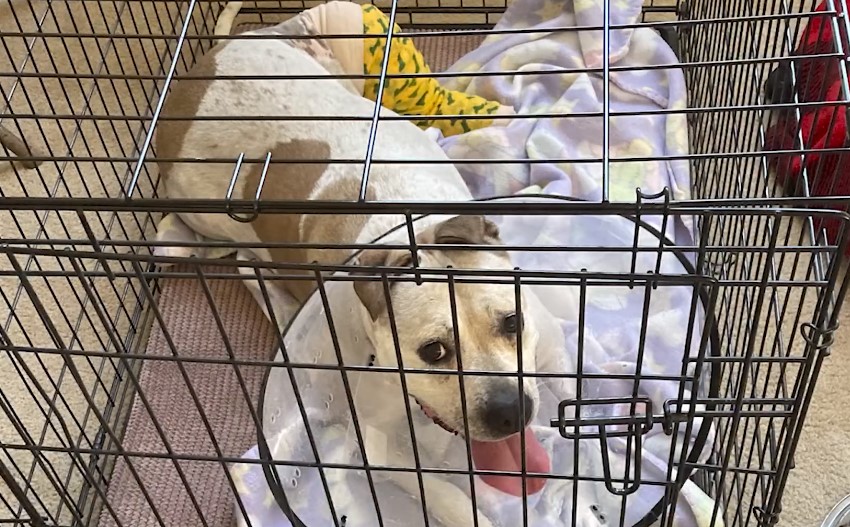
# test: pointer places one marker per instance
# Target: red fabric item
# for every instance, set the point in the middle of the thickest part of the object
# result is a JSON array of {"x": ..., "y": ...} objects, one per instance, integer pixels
[{"x": 821, "y": 127}]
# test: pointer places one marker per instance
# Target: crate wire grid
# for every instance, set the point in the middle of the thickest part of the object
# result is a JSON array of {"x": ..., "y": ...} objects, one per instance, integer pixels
[
  {"x": 49, "y": 61},
  {"x": 110, "y": 310}
]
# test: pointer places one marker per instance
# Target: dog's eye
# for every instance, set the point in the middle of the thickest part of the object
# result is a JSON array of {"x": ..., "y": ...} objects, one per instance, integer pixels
[
  {"x": 432, "y": 352},
  {"x": 510, "y": 324}
]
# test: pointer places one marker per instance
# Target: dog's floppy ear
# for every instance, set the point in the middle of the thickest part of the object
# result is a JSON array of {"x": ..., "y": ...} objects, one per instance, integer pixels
[
  {"x": 467, "y": 230},
  {"x": 371, "y": 292}
]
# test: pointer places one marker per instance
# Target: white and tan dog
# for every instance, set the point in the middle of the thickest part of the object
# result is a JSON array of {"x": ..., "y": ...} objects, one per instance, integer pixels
[{"x": 488, "y": 325}]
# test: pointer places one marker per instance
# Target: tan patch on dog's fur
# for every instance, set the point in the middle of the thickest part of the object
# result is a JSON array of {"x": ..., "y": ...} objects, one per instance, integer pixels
[
  {"x": 460, "y": 230},
  {"x": 183, "y": 101},
  {"x": 295, "y": 181}
]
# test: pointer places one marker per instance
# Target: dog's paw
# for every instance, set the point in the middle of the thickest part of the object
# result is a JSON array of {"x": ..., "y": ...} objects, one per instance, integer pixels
[
  {"x": 466, "y": 520},
  {"x": 484, "y": 521}
]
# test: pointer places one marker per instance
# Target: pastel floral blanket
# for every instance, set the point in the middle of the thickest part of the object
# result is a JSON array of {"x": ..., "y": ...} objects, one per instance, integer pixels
[{"x": 556, "y": 64}]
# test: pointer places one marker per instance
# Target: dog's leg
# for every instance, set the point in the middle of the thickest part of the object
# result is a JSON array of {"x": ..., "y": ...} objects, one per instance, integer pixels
[
  {"x": 283, "y": 304},
  {"x": 224, "y": 24},
  {"x": 171, "y": 228},
  {"x": 446, "y": 503}
]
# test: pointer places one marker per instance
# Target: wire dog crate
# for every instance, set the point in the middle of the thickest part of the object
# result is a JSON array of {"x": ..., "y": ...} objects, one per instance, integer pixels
[{"x": 135, "y": 384}]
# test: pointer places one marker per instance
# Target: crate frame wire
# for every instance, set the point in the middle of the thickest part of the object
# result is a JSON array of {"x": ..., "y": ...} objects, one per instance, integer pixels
[
  {"x": 154, "y": 274},
  {"x": 95, "y": 239}
]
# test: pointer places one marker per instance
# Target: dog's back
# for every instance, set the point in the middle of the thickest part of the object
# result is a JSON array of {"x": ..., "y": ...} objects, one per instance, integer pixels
[{"x": 255, "y": 101}]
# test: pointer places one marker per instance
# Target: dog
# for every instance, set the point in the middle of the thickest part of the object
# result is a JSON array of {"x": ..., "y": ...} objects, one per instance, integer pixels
[{"x": 498, "y": 409}]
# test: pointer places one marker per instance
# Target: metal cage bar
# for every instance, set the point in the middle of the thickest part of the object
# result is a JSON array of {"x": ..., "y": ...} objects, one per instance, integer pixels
[{"x": 82, "y": 86}]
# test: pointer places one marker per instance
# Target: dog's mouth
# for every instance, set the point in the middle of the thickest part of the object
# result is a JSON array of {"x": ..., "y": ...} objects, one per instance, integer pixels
[{"x": 504, "y": 455}]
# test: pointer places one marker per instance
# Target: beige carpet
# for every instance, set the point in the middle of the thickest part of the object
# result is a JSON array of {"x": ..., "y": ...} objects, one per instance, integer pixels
[
  {"x": 822, "y": 474},
  {"x": 44, "y": 398}
]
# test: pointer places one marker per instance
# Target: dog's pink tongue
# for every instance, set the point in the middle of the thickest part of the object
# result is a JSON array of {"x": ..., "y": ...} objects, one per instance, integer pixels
[{"x": 506, "y": 455}]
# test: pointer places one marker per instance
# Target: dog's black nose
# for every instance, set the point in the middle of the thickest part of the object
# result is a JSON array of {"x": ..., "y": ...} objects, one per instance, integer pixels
[{"x": 503, "y": 413}]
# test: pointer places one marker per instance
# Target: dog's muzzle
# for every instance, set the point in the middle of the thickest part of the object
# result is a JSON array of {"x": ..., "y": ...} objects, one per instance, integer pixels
[
  {"x": 519, "y": 448},
  {"x": 434, "y": 417}
]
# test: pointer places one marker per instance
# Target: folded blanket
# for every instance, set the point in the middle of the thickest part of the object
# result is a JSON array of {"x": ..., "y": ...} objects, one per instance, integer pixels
[{"x": 556, "y": 54}]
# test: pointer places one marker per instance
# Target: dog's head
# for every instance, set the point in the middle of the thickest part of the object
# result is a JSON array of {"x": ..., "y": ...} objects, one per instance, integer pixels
[{"x": 484, "y": 338}]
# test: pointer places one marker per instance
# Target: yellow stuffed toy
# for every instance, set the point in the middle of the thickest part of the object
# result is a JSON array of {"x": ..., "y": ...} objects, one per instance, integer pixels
[{"x": 406, "y": 96}]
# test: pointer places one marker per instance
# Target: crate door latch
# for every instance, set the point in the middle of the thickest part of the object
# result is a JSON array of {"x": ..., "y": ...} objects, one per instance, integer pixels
[{"x": 609, "y": 418}]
